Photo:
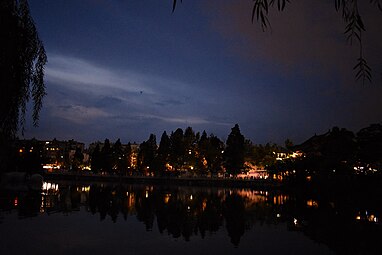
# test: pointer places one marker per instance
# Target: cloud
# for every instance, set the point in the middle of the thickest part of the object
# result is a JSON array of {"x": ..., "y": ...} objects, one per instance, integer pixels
[
  {"x": 125, "y": 85},
  {"x": 79, "y": 114},
  {"x": 84, "y": 93},
  {"x": 169, "y": 102},
  {"x": 188, "y": 120},
  {"x": 83, "y": 75}
]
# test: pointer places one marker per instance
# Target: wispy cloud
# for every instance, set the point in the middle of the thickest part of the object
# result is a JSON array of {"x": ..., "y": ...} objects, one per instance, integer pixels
[
  {"x": 187, "y": 120},
  {"x": 79, "y": 114},
  {"x": 83, "y": 75},
  {"x": 93, "y": 92}
]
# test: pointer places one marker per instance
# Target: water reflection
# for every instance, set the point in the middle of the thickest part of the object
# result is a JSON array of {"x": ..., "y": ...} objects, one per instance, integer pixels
[{"x": 185, "y": 212}]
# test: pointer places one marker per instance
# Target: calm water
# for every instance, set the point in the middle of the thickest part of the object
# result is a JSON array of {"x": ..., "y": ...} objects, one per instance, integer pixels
[{"x": 68, "y": 218}]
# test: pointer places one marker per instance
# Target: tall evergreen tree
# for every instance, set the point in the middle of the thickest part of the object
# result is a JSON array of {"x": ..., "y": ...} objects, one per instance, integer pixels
[
  {"x": 128, "y": 155},
  {"x": 96, "y": 159},
  {"x": 119, "y": 158},
  {"x": 106, "y": 157},
  {"x": 214, "y": 155},
  {"x": 190, "y": 141},
  {"x": 234, "y": 152},
  {"x": 77, "y": 160},
  {"x": 202, "y": 154},
  {"x": 178, "y": 149},
  {"x": 164, "y": 151},
  {"x": 147, "y": 154}
]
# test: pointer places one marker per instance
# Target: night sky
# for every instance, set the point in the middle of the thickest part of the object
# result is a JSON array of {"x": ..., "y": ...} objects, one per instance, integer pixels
[{"x": 125, "y": 69}]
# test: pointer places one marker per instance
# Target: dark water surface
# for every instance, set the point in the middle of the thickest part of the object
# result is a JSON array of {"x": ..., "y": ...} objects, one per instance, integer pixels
[{"x": 69, "y": 218}]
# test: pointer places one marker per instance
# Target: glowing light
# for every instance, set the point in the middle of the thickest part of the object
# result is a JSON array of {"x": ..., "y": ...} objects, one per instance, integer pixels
[
  {"x": 204, "y": 205},
  {"x": 358, "y": 217},
  {"x": 372, "y": 218},
  {"x": 16, "y": 202},
  {"x": 85, "y": 189},
  {"x": 147, "y": 194},
  {"x": 46, "y": 186},
  {"x": 166, "y": 198},
  {"x": 278, "y": 215},
  {"x": 295, "y": 221},
  {"x": 311, "y": 203},
  {"x": 191, "y": 197},
  {"x": 21, "y": 150}
]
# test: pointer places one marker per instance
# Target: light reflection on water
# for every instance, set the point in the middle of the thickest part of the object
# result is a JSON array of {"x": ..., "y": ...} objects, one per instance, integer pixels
[{"x": 115, "y": 217}]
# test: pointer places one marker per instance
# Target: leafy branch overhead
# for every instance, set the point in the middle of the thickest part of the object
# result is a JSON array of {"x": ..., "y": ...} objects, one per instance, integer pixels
[
  {"x": 260, "y": 10},
  {"x": 350, "y": 15},
  {"x": 22, "y": 61}
]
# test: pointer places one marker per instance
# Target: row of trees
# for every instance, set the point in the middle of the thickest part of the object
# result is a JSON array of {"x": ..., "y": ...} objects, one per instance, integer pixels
[
  {"x": 339, "y": 151},
  {"x": 200, "y": 154},
  {"x": 196, "y": 153}
]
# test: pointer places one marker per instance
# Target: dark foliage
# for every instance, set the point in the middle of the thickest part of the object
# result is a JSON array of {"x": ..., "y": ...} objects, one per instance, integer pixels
[
  {"x": 22, "y": 60},
  {"x": 234, "y": 152}
]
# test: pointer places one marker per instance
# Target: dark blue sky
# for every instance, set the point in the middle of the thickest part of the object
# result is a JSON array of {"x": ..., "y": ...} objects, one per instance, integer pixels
[{"x": 125, "y": 69}]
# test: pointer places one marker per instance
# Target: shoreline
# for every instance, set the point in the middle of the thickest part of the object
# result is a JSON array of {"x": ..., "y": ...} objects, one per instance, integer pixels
[{"x": 180, "y": 181}]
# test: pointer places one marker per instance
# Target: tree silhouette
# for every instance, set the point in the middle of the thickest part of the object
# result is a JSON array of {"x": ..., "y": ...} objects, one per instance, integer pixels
[
  {"x": 163, "y": 153},
  {"x": 106, "y": 157},
  {"x": 335, "y": 150},
  {"x": 370, "y": 144},
  {"x": 119, "y": 158},
  {"x": 177, "y": 149},
  {"x": 147, "y": 154},
  {"x": 214, "y": 154},
  {"x": 128, "y": 155},
  {"x": 288, "y": 144},
  {"x": 22, "y": 60},
  {"x": 78, "y": 159},
  {"x": 202, "y": 153},
  {"x": 96, "y": 159},
  {"x": 190, "y": 141},
  {"x": 234, "y": 152}
]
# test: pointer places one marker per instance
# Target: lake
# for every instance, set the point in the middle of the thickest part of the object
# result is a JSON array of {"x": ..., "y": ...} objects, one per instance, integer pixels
[{"x": 102, "y": 218}]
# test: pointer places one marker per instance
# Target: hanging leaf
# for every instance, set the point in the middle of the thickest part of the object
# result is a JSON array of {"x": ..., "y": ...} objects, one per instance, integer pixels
[
  {"x": 363, "y": 70},
  {"x": 174, "y": 5}
]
